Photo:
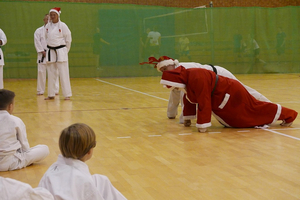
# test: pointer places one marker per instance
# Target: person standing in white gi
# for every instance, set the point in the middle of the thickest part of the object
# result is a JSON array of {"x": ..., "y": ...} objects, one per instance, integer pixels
[
  {"x": 11, "y": 189},
  {"x": 41, "y": 46},
  {"x": 3, "y": 41},
  {"x": 69, "y": 176},
  {"x": 15, "y": 152},
  {"x": 154, "y": 42},
  {"x": 58, "y": 38}
]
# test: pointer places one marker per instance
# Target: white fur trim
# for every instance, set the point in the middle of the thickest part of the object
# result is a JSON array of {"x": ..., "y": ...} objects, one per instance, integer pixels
[
  {"x": 164, "y": 63},
  {"x": 225, "y": 100},
  {"x": 53, "y": 10},
  {"x": 189, "y": 117},
  {"x": 170, "y": 83},
  {"x": 277, "y": 115},
  {"x": 203, "y": 125},
  {"x": 176, "y": 62}
]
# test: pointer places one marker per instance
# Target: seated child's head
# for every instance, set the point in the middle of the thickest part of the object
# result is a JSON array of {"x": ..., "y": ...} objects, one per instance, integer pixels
[
  {"x": 7, "y": 100},
  {"x": 77, "y": 141}
]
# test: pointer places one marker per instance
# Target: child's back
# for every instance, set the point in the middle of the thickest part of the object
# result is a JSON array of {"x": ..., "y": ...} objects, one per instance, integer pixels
[
  {"x": 69, "y": 176},
  {"x": 15, "y": 152}
]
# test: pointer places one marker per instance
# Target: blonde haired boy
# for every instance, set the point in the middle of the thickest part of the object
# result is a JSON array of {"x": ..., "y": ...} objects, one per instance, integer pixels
[{"x": 69, "y": 176}]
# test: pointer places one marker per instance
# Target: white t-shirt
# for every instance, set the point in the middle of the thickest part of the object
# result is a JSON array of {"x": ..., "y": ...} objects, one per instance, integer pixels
[{"x": 154, "y": 38}]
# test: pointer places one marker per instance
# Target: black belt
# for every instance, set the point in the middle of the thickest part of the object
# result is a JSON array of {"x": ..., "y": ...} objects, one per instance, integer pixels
[
  {"x": 54, "y": 48},
  {"x": 217, "y": 78},
  {"x": 214, "y": 69},
  {"x": 42, "y": 60}
]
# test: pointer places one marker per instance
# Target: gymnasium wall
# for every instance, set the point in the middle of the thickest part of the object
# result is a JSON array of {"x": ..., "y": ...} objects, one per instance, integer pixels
[
  {"x": 193, "y": 3},
  {"x": 209, "y": 30}
]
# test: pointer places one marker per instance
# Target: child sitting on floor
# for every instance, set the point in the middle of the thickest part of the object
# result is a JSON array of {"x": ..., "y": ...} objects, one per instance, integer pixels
[
  {"x": 69, "y": 176},
  {"x": 15, "y": 152}
]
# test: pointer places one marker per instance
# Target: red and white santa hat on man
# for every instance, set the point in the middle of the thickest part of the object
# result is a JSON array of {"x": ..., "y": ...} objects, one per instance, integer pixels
[
  {"x": 56, "y": 10},
  {"x": 175, "y": 78},
  {"x": 162, "y": 61}
]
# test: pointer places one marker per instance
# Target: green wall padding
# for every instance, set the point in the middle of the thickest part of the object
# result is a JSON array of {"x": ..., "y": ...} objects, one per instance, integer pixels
[{"x": 210, "y": 32}]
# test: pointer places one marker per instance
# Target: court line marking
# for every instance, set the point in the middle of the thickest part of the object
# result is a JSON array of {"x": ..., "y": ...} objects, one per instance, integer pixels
[
  {"x": 276, "y": 132},
  {"x": 285, "y": 129},
  {"x": 185, "y": 134},
  {"x": 87, "y": 110},
  {"x": 289, "y": 102},
  {"x": 125, "y": 137},
  {"x": 154, "y": 135},
  {"x": 131, "y": 90}
]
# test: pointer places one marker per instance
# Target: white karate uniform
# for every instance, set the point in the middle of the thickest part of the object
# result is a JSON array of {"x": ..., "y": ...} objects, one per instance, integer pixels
[
  {"x": 177, "y": 95},
  {"x": 4, "y": 41},
  {"x": 40, "y": 46},
  {"x": 58, "y": 34},
  {"x": 70, "y": 178},
  {"x": 15, "y": 152},
  {"x": 11, "y": 189}
]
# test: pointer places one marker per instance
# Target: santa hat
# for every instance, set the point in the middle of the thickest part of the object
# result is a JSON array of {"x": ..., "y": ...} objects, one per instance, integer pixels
[
  {"x": 56, "y": 10},
  {"x": 174, "y": 78},
  {"x": 162, "y": 61}
]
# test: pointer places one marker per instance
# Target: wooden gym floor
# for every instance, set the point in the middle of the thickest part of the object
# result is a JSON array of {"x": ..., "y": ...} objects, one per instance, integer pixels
[{"x": 149, "y": 157}]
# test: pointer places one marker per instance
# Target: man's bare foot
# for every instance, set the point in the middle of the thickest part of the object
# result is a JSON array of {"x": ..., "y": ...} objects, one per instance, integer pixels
[
  {"x": 39, "y": 94},
  {"x": 68, "y": 98}
]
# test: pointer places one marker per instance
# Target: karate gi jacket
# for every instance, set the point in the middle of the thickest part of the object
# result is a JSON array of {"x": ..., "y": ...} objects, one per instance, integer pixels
[
  {"x": 11, "y": 189},
  {"x": 4, "y": 41},
  {"x": 13, "y": 135},
  {"x": 58, "y": 34},
  {"x": 70, "y": 178},
  {"x": 40, "y": 43},
  {"x": 227, "y": 98}
]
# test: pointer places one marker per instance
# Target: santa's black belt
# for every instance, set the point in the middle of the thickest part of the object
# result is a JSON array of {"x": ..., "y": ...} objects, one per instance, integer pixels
[
  {"x": 54, "y": 48},
  {"x": 214, "y": 68},
  {"x": 217, "y": 78}
]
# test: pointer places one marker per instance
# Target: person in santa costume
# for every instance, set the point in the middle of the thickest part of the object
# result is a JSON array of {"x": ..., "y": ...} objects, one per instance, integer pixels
[
  {"x": 226, "y": 98},
  {"x": 165, "y": 63},
  {"x": 58, "y": 38}
]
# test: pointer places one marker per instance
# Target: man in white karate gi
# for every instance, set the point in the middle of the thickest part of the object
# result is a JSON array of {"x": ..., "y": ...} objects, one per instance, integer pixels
[
  {"x": 3, "y": 41},
  {"x": 58, "y": 38},
  {"x": 41, "y": 47},
  {"x": 15, "y": 152}
]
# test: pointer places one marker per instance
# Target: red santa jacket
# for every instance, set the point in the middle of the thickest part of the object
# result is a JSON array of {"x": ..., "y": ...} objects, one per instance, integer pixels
[{"x": 229, "y": 101}]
